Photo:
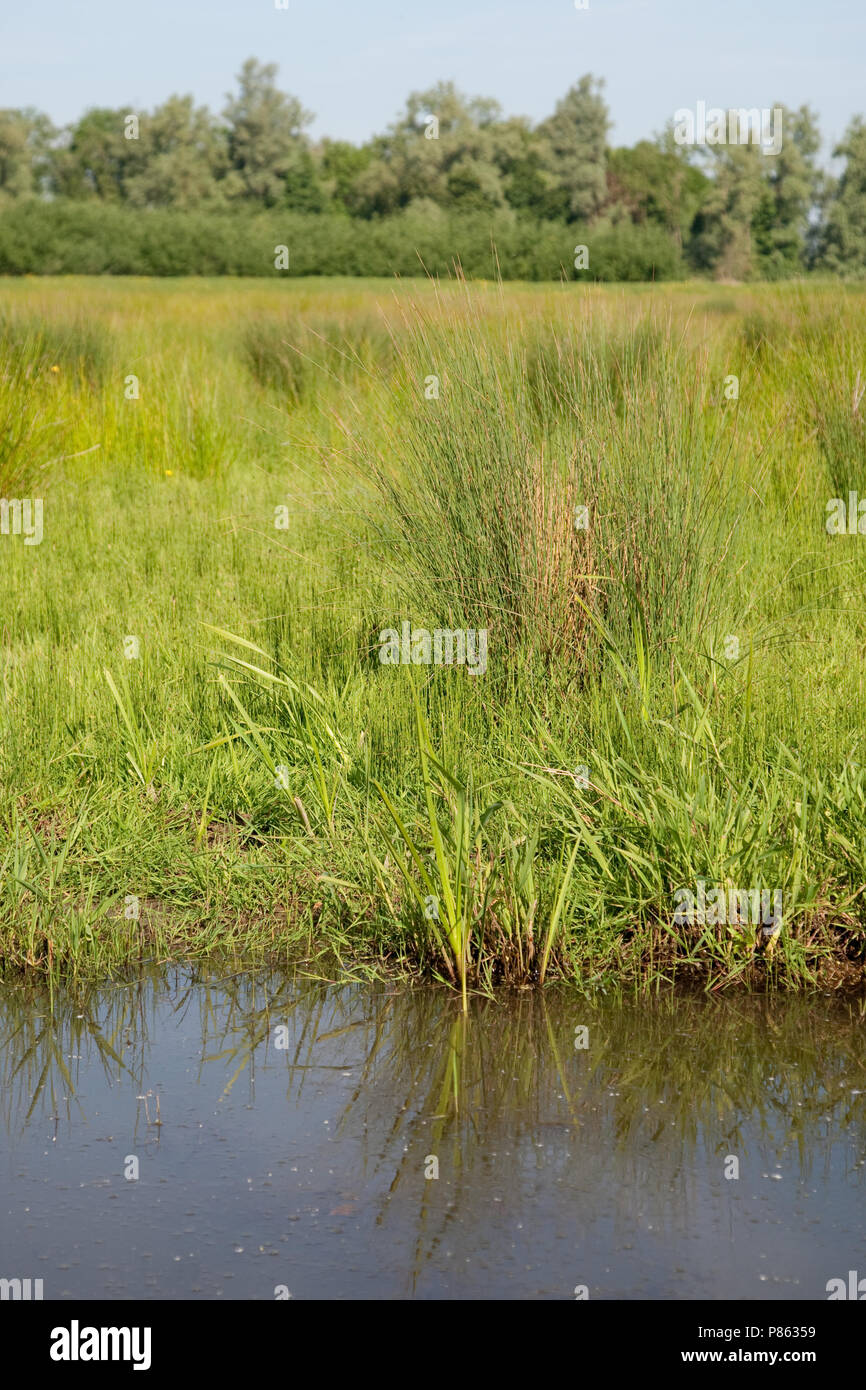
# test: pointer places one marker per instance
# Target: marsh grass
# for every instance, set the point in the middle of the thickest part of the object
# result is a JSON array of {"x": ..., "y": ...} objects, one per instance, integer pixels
[
  {"x": 300, "y": 358},
  {"x": 47, "y": 365},
  {"x": 570, "y": 499},
  {"x": 63, "y": 342},
  {"x": 840, "y": 421},
  {"x": 263, "y": 784},
  {"x": 472, "y": 508}
]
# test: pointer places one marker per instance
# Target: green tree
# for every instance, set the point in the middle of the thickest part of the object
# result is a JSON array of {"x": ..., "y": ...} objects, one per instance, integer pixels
[
  {"x": 722, "y": 239},
  {"x": 265, "y": 137},
  {"x": 183, "y": 156},
  {"x": 780, "y": 225},
  {"x": 843, "y": 238},
  {"x": 573, "y": 143},
  {"x": 25, "y": 139},
  {"x": 96, "y": 158},
  {"x": 516, "y": 153},
  {"x": 442, "y": 148},
  {"x": 340, "y": 164},
  {"x": 657, "y": 184},
  {"x": 303, "y": 190}
]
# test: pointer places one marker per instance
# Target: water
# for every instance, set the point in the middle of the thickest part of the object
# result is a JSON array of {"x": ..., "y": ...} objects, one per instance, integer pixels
[{"x": 298, "y": 1123}]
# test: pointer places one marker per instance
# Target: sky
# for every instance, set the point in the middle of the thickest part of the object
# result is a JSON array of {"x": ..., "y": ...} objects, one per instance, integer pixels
[{"x": 354, "y": 64}]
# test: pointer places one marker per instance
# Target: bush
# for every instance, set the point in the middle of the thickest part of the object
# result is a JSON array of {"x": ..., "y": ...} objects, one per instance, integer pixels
[{"x": 68, "y": 238}]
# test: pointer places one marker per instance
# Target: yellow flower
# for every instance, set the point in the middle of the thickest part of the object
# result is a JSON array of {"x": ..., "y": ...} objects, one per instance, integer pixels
[
  {"x": 169, "y": 472},
  {"x": 55, "y": 369}
]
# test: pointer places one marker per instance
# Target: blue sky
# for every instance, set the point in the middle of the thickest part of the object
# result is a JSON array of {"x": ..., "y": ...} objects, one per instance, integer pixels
[{"x": 353, "y": 63}]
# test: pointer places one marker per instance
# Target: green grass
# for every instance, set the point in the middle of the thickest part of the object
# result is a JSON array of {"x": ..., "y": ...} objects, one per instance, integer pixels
[{"x": 256, "y": 783}]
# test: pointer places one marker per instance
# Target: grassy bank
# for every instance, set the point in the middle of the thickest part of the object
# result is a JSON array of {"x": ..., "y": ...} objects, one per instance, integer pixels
[{"x": 245, "y": 485}]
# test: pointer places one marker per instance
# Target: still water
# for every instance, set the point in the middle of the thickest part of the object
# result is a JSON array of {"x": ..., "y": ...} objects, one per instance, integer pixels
[{"x": 189, "y": 1136}]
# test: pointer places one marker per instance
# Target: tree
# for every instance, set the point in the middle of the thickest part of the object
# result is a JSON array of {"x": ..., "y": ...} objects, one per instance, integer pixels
[
  {"x": 441, "y": 148},
  {"x": 516, "y": 153},
  {"x": 377, "y": 190},
  {"x": 843, "y": 242},
  {"x": 755, "y": 217},
  {"x": 340, "y": 164},
  {"x": 573, "y": 142},
  {"x": 183, "y": 155},
  {"x": 657, "y": 184},
  {"x": 96, "y": 158},
  {"x": 265, "y": 136},
  {"x": 722, "y": 240},
  {"x": 303, "y": 190},
  {"x": 781, "y": 223},
  {"x": 25, "y": 137}
]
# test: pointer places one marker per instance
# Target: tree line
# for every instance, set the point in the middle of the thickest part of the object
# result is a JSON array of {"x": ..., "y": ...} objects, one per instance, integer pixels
[{"x": 726, "y": 210}]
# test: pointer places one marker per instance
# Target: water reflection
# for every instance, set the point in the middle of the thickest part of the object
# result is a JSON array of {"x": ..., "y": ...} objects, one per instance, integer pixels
[{"x": 553, "y": 1161}]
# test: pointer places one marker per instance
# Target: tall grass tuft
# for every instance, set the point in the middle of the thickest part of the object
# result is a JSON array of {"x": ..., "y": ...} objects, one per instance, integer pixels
[
  {"x": 81, "y": 349},
  {"x": 297, "y": 358},
  {"x": 473, "y": 507},
  {"x": 567, "y": 497}
]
